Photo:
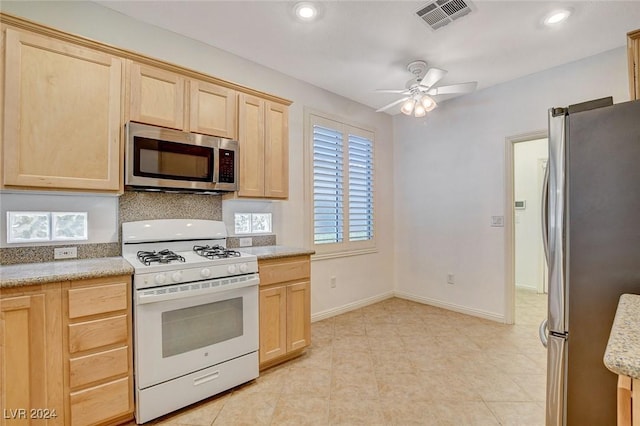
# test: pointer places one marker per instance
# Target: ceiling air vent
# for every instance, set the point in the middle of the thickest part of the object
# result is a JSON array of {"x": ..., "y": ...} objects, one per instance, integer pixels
[{"x": 439, "y": 13}]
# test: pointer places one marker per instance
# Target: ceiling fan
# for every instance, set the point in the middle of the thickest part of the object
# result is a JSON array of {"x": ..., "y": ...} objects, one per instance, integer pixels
[{"x": 420, "y": 90}]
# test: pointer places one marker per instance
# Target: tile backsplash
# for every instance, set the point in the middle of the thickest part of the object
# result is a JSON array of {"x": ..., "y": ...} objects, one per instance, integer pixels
[
  {"x": 132, "y": 206},
  {"x": 159, "y": 205}
]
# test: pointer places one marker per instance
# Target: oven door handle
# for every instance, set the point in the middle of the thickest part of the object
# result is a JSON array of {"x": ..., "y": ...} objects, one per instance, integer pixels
[{"x": 197, "y": 289}]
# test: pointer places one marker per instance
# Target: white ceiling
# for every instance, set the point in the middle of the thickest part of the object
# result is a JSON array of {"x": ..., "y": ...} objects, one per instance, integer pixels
[{"x": 359, "y": 46}]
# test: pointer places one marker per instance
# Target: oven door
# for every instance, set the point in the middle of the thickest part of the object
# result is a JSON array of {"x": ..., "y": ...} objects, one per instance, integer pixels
[{"x": 183, "y": 328}]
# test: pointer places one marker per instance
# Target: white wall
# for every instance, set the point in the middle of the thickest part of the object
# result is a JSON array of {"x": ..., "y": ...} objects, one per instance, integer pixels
[
  {"x": 359, "y": 278},
  {"x": 528, "y": 188},
  {"x": 449, "y": 178}
]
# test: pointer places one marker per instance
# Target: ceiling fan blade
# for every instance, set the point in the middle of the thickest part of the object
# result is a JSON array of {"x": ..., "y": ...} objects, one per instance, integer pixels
[
  {"x": 392, "y": 91},
  {"x": 432, "y": 76},
  {"x": 392, "y": 104},
  {"x": 454, "y": 88}
]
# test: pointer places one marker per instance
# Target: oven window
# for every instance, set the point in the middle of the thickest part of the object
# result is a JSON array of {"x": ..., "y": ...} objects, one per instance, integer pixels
[
  {"x": 170, "y": 160},
  {"x": 187, "y": 329}
]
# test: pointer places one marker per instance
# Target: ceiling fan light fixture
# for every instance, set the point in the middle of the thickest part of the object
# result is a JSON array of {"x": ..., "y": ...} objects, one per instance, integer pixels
[
  {"x": 419, "y": 110},
  {"x": 305, "y": 11},
  {"x": 428, "y": 103},
  {"x": 407, "y": 106}
]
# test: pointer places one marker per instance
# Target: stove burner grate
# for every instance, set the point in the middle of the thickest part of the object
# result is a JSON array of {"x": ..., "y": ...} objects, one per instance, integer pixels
[
  {"x": 215, "y": 252},
  {"x": 162, "y": 256}
]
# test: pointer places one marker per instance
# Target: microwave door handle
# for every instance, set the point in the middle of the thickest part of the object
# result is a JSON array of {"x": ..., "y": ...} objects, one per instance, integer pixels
[{"x": 216, "y": 164}]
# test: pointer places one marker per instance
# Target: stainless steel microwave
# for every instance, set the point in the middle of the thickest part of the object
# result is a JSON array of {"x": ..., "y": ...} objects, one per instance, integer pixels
[{"x": 158, "y": 159}]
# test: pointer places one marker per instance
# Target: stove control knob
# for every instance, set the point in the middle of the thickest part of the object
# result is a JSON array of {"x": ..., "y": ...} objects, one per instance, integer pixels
[
  {"x": 160, "y": 279},
  {"x": 205, "y": 272},
  {"x": 231, "y": 269},
  {"x": 243, "y": 267},
  {"x": 176, "y": 276}
]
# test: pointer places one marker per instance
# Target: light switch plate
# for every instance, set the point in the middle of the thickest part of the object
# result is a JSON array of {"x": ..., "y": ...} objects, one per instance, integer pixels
[{"x": 246, "y": 242}]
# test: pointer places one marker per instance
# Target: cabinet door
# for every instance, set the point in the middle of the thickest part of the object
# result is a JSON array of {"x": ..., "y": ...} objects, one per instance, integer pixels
[
  {"x": 62, "y": 115},
  {"x": 633, "y": 46},
  {"x": 276, "y": 153},
  {"x": 31, "y": 356},
  {"x": 298, "y": 315},
  {"x": 273, "y": 323},
  {"x": 251, "y": 141},
  {"x": 212, "y": 110},
  {"x": 157, "y": 97}
]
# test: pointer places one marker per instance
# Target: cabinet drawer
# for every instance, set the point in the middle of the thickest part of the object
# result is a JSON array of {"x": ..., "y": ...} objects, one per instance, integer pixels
[
  {"x": 94, "y": 334},
  {"x": 278, "y": 270},
  {"x": 97, "y": 299},
  {"x": 99, "y": 366},
  {"x": 102, "y": 402}
]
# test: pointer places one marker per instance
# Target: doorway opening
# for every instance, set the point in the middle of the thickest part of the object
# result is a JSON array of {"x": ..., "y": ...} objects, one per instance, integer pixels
[{"x": 526, "y": 276}]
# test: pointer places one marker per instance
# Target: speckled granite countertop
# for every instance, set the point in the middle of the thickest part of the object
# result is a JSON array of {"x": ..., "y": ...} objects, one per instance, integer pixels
[
  {"x": 275, "y": 252},
  {"x": 623, "y": 350},
  {"x": 62, "y": 270}
]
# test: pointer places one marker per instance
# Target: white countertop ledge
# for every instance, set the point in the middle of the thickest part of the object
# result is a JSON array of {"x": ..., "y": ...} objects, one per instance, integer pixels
[{"x": 622, "y": 355}]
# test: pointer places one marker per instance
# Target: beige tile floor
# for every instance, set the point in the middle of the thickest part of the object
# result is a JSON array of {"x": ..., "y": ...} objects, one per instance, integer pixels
[{"x": 397, "y": 362}]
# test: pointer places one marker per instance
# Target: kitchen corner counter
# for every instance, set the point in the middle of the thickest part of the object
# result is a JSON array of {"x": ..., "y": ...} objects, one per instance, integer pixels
[
  {"x": 622, "y": 355},
  {"x": 63, "y": 270},
  {"x": 275, "y": 252}
]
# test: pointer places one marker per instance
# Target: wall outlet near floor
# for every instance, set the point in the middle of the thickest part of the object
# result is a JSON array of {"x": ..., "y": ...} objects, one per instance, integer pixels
[
  {"x": 65, "y": 253},
  {"x": 451, "y": 279},
  {"x": 333, "y": 282},
  {"x": 246, "y": 242}
]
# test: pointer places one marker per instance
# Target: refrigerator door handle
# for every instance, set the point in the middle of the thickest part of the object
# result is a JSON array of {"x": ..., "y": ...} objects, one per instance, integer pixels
[
  {"x": 545, "y": 213},
  {"x": 556, "y": 372},
  {"x": 556, "y": 221},
  {"x": 542, "y": 331}
]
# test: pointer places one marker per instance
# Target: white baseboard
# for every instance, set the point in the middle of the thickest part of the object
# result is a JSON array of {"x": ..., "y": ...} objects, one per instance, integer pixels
[
  {"x": 452, "y": 307},
  {"x": 526, "y": 287},
  {"x": 351, "y": 306},
  {"x": 425, "y": 300}
]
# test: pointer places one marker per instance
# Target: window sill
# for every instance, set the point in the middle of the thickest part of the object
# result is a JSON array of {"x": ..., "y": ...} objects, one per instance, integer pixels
[{"x": 338, "y": 254}]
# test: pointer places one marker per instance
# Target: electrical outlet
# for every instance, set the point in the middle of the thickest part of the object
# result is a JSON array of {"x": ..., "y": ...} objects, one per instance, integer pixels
[
  {"x": 246, "y": 242},
  {"x": 333, "y": 282},
  {"x": 65, "y": 253},
  {"x": 451, "y": 279}
]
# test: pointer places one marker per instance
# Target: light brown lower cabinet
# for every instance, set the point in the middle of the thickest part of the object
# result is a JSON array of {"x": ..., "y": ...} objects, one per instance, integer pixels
[
  {"x": 628, "y": 401},
  {"x": 633, "y": 52},
  {"x": 65, "y": 353},
  {"x": 285, "y": 308},
  {"x": 97, "y": 351},
  {"x": 31, "y": 355}
]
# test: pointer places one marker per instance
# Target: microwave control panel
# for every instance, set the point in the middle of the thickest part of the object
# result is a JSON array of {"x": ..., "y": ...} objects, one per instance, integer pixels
[{"x": 226, "y": 167}]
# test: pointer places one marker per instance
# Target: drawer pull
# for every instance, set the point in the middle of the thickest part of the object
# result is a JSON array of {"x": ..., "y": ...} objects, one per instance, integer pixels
[{"x": 206, "y": 378}]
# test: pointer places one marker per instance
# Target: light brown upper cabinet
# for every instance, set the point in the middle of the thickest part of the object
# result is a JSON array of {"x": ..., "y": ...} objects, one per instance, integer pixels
[
  {"x": 157, "y": 96},
  {"x": 62, "y": 114},
  {"x": 212, "y": 109},
  {"x": 168, "y": 99},
  {"x": 633, "y": 48},
  {"x": 263, "y": 134}
]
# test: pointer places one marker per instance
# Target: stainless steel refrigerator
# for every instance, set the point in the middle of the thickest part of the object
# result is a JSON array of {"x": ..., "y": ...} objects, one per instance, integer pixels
[{"x": 591, "y": 229}]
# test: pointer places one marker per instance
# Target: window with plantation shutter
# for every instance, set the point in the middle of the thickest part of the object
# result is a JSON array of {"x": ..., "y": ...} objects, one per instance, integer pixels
[
  {"x": 342, "y": 180},
  {"x": 328, "y": 182},
  {"x": 360, "y": 188}
]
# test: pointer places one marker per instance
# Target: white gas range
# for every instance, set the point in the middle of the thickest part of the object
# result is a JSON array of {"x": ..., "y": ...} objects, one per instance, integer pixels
[{"x": 195, "y": 313}]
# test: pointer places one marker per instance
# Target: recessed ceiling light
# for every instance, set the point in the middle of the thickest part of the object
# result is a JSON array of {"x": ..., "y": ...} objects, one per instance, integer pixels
[
  {"x": 305, "y": 11},
  {"x": 557, "y": 16}
]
